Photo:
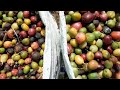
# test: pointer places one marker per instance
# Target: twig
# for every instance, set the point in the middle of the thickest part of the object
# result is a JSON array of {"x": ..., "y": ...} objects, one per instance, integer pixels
[
  {"x": 16, "y": 35},
  {"x": 4, "y": 36}
]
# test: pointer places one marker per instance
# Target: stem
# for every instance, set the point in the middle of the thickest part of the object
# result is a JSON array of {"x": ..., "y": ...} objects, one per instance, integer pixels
[
  {"x": 16, "y": 35},
  {"x": 19, "y": 52},
  {"x": 4, "y": 37}
]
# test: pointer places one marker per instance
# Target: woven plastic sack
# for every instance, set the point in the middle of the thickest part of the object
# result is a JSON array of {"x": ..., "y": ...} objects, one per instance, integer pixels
[
  {"x": 55, "y": 65},
  {"x": 51, "y": 65},
  {"x": 47, "y": 51},
  {"x": 63, "y": 43}
]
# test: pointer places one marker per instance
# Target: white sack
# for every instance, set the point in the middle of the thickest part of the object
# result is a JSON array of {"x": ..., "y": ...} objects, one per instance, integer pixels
[{"x": 63, "y": 43}]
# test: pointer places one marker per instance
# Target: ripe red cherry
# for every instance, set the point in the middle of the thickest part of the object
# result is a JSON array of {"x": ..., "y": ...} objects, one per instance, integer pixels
[
  {"x": 31, "y": 32},
  {"x": 14, "y": 72},
  {"x": 83, "y": 56},
  {"x": 35, "y": 45},
  {"x": 107, "y": 40},
  {"x": 39, "y": 24},
  {"x": 33, "y": 19},
  {"x": 26, "y": 14},
  {"x": 97, "y": 14},
  {"x": 77, "y": 25},
  {"x": 103, "y": 16},
  {"x": 23, "y": 34},
  {"x": 3, "y": 76},
  {"x": 69, "y": 49},
  {"x": 109, "y": 49}
]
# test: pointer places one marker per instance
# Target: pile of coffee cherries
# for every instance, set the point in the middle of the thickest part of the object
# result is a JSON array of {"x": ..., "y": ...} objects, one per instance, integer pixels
[
  {"x": 22, "y": 43},
  {"x": 93, "y": 44}
]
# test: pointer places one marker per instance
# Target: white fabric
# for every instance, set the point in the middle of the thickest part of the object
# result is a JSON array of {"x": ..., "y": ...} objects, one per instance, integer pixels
[
  {"x": 51, "y": 65},
  {"x": 63, "y": 43}
]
